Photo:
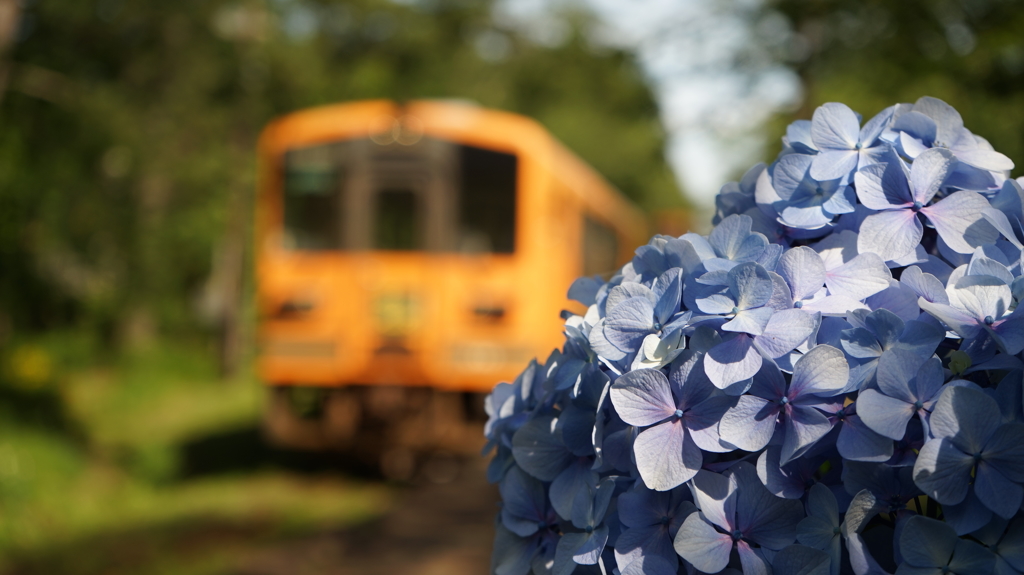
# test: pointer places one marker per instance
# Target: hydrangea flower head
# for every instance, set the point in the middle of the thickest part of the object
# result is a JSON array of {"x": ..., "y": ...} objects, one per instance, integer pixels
[{"x": 831, "y": 381}]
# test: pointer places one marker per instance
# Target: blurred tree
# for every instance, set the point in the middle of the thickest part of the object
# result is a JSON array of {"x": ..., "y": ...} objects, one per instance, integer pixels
[
  {"x": 128, "y": 128},
  {"x": 870, "y": 54}
]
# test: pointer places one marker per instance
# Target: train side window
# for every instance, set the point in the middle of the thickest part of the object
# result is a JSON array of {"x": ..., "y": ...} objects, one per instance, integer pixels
[
  {"x": 487, "y": 201},
  {"x": 600, "y": 248},
  {"x": 312, "y": 198},
  {"x": 397, "y": 220}
]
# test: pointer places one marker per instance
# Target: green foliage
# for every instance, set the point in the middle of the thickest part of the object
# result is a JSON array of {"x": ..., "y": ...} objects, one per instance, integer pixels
[{"x": 129, "y": 130}]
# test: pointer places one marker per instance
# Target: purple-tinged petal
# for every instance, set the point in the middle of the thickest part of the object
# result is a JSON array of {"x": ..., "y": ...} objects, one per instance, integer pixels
[
  {"x": 804, "y": 427},
  {"x": 959, "y": 221},
  {"x": 964, "y": 415},
  {"x": 715, "y": 496},
  {"x": 883, "y": 186},
  {"x": 763, "y": 518},
  {"x": 857, "y": 442},
  {"x": 732, "y": 360},
  {"x": 835, "y": 126},
  {"x": 789, "y": 174},
  {"x": 955, "y": 319},
  {"x": 834, "y": 164},
  {"x": 784, "y": 332},
  {"x": 925, "y": 285},
  {"x": 929, "y": 172},
  {"x": 860, "y": 278},
  {"x": 1002, "y": 224},
  {"x": 642, "y": 397},
  {"x": 665, "y": 456},
  {"x": 890, "y": 234},
  {"x": 821, "y": 371},
  {"x": 750, "y": 424},
  {"x": 943, "y": 472},
  {"x": 701, "y": 545},
  {"x": 703, "y": 421},
  {"x": 803, "y": 270},
  {"x": 751, "y": 285},
  {"x": 898, "y": 299},
  {"x": 752, "y": 560},
  {"x": 629, "y": 323},
  {"x": 884, "y": 414},
  {"x": 751, "y": 321}
]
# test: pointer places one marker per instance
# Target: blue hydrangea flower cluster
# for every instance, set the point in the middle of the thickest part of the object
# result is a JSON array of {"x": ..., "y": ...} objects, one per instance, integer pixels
[{"x": 829, "y": 382}]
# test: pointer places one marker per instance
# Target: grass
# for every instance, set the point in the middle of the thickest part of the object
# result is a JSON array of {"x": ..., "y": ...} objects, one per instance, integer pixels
[{"x": 93, "y": 462}]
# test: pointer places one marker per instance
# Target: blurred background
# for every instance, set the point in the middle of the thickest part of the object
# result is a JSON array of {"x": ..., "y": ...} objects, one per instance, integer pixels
[{"x": 129, "y": 404}]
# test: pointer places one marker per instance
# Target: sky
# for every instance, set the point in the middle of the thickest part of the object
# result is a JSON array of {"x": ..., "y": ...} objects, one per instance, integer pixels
[{"x": 716, "y": 67}]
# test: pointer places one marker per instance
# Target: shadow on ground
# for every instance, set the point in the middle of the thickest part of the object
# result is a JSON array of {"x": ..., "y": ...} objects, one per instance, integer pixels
[
  {"x": 244, "y": 450},
  {"x": 437, "y": 523}
]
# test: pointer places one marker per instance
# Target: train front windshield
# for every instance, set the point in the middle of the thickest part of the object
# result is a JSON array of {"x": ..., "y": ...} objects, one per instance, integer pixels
[{"x": 433, "y": 196}]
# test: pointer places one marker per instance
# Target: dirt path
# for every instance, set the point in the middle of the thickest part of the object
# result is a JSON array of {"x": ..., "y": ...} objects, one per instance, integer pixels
[{"x": 433, "y": 529}]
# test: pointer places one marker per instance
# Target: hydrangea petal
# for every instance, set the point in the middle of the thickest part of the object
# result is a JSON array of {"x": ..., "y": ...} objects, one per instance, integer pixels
[
  {"x": 943, "y": 472},
  {"x": 958, "y": 220},
  {"x": 701, "y": 545},
  {"x": 784, "y": 332},
  {"x": 926, "y": 542},
  {"x": 860, "y": 278},
  {"x": 821, "y": 371},
  {"x": 929, "y": 172},
  {"x": 750, "y": 424},
  {"x": 890, "y": 234},
  {"x": 801, "y": 560},
  {"x": 804, "y": 426},
  {"x": 665, "y": 456},
  {"x": 803, "y": 270},
  {"x": 996, "y": 491},
  {"x": 731, "y": 361},
  {"x": 835, "y": 126},
  {"x": 642, "y": 397},
  {"x": 885, "y": 415}
]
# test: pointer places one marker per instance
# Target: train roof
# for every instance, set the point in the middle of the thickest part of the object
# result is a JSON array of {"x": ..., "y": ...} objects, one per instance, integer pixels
[{"x": 464, "y": 122}]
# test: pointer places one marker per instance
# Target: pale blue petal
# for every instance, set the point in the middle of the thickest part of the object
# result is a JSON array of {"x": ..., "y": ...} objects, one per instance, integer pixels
[
  {"x": 959, "y": 222},
  {"x": 751, "y": 321},
  {"x": 751, "y": 285},
  {"x": 948, "y": 122},
  {"x": 750, "y": 424},
  {"x": 860, "y": 278},
  {"x": 883, "y": 414},
  {"x": 856, "y": 442},
  {"x": 964, "y": 416},
  {"x": 803, "y": 270},
  {"x": 834, "y": 164},
  {"x": 821, "y": 371},
  {"x": 715, "y": 496},
  {"x": 929, "y": 172},
  {"x": 784, "y": 332},
  {"x": 883, "y": 186},
  {"x": 989, "y": 160},
  {"x": 642, "y": 397},
  {"x": 890, "y": 234},
  {"x": 804, "y": 426},
  {"x": 731, "y": 361},
  {"x": 665, "y": 456},
  {"x": 835, "y": 126},
  {"x": 701, "y": 545}
]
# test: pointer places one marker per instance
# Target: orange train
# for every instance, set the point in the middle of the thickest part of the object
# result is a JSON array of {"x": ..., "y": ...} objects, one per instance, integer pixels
[{"x": 424, "y": 246}]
